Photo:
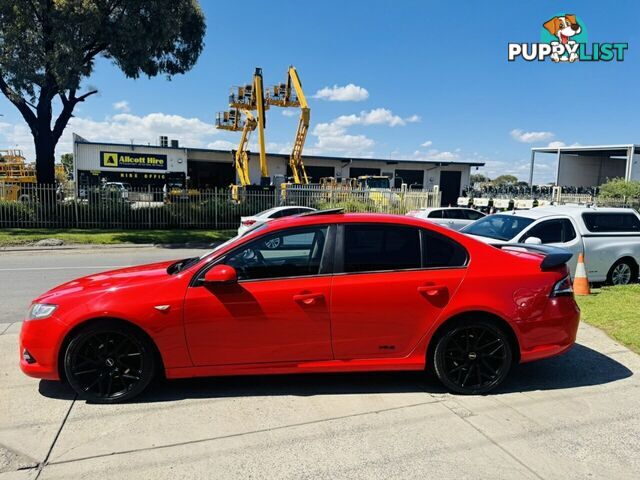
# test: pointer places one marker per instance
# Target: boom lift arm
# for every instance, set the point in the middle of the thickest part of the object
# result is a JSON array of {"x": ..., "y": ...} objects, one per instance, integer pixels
[{"x": 290, "y": 94}]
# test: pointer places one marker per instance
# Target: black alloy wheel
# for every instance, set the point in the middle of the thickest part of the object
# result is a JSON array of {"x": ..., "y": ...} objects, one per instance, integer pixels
[
  {"x": 109, "y": 363},
  {"x": 473, "y": 358}
]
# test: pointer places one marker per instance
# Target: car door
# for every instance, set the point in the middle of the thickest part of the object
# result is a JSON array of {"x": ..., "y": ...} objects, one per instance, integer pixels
[
  {"x": 559, "y": 232},
  {"x": 278, "y": 311},
  {"x": 387, "y": 290},
  {"x": 457, "y": 218}
]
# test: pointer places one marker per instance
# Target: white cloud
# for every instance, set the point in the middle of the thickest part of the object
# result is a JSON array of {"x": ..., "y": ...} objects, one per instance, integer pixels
[
  {"x": 348, "y": 93},
  {"x": 222, "y": 145},
  {"x": 122, "y": 106},
  {"x": 428, "y": 143},
  {"x": 289, "y": 113},
  {"x": 530, "y": 137},
  {"x": 559, "y": 144},
  {"x": 334, "y": 137},
  {"x": 119, "y": 128}
]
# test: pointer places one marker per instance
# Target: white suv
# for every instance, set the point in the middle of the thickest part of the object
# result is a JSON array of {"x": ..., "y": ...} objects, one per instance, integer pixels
[{"x": 608, "y": 237}]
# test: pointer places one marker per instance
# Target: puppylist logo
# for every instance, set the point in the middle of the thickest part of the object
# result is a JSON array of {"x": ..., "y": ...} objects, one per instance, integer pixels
[{"x": 563, "y": 38}]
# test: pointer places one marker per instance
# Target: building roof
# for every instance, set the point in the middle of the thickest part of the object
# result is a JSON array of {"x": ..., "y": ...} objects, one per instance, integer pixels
[
  {"x": 389, "y": 161},
  {"x": 595, "y": 150}
]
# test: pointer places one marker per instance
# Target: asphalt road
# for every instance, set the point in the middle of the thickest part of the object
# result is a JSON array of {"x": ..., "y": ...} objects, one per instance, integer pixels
[{"x": 25, "y": 275}]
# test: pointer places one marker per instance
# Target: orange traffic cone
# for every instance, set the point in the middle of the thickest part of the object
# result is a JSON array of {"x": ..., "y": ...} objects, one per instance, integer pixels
[{"x": 580, "y": 281}]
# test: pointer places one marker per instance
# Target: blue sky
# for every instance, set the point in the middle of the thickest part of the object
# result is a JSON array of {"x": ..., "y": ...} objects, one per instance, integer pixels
[{"x": 437, "y": 80}]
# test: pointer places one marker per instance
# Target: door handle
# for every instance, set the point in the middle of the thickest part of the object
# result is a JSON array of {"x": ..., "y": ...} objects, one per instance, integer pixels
[
  {"x": 308, "y": 298},
  {"x": 432, "y": 290}
]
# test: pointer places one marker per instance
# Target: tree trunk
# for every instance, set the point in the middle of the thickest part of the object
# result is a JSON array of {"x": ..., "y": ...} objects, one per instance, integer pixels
[{"x": 45, "y": 156}]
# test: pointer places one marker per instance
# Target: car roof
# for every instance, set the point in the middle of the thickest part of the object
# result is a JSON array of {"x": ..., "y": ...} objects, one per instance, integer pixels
[
  {"x": 431, "y": 209},
  {"x": 574, "y": 211},
  {"x": 315, "y": 219}
]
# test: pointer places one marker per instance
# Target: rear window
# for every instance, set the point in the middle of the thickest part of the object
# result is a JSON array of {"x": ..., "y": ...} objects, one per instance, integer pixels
[
  {"x": 441, "y": 252},
  {"x": 611, "y": 222}
]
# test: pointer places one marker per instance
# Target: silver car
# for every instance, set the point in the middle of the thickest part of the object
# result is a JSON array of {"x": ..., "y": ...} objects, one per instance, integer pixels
[{"x": 452, "y": 217}]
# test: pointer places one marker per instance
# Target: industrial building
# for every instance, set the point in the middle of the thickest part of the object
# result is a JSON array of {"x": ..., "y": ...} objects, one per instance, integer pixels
[
  {"x": 171, "y": 164},
  {"x": 591, "y": 166}
]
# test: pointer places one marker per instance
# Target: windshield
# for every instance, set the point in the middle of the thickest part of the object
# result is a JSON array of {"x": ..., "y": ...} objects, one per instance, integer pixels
[
  {"x": 500, "y": 227},
  {"x": 377, "y": 182}
]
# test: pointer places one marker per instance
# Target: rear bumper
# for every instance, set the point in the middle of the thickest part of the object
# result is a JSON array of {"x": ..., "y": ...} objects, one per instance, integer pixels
[
  {"x": 554, "y": 333},
  {"x": 42, "y": 339}
]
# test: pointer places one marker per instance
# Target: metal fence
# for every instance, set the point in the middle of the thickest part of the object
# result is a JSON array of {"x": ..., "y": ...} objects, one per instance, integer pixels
[{"x": 45, "y": 206}]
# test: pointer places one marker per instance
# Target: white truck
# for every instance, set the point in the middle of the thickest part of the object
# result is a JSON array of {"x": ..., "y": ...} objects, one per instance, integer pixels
[{"x": 609, "y": 238}]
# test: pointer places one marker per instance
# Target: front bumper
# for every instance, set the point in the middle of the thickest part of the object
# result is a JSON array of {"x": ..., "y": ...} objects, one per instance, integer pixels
[
  {"x": 554, "y": 333},
  {"x": 42, "y": 340}
]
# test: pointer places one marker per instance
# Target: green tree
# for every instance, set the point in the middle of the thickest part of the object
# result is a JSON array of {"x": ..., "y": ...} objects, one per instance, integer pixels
[
  {"x": 67, "y": 162},
  {"x": 505, "y": 180},
  {"x": 619, "y": 187},
  {"x": 478, "y": 178},
  {"x": 47, "y": 48}
]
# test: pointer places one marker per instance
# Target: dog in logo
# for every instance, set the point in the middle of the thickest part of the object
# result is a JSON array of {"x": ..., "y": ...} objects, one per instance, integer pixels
[{"x": 563, "y": 27}]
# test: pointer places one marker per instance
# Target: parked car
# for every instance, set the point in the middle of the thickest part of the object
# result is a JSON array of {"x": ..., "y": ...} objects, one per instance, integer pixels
[
  {"x": 271, "y": 214},
  {"x": 341, "y": 292},
  {"x": 116, "y": 190},
  {"x": 608, "y": 237},
  {"x": 452, "y": 217}
]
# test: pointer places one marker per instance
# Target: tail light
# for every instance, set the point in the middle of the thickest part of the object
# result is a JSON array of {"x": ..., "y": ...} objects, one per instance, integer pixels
[
  {"x": 563, "y": 288},
  {"x": 248, "y": 223}
]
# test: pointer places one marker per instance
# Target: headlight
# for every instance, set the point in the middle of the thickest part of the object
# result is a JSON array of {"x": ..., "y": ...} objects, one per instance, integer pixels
[{"x": 41, "y": 310}]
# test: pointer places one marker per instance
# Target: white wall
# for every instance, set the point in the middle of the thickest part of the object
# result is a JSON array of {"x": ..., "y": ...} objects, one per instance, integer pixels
[
  {"x": 635, "y": 167},
  {"x": 588, "y": 171}
]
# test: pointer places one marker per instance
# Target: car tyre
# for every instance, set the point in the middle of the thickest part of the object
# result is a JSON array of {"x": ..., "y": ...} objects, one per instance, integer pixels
[
  {"x": 623, "y": 272},
  {"x": 472, "y": 357},
  {"x": 109, "y": 362}
]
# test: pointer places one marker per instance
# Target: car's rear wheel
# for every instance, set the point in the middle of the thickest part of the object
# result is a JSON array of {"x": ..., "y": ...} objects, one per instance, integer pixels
[
  {"x": 473, "y": 357},
  {"x": 109, "y": 362},
  {"x": 623, "y": 272}
]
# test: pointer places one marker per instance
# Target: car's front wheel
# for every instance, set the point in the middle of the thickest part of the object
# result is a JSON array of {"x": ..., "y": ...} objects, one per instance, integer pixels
[
  {"x": 109, "y": 362},
  {"x": 473, "y": 357}
]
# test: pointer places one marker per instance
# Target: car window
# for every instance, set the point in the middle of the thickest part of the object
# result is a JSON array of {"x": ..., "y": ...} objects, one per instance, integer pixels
[
  {"x": 265, "y": 213},
  {"x": 454, "y": 214},
  {"x": 549, "y": 231},
  {"x": 611, "y": 222},
  {"x": 435, "y": 214},
  {"x": 500, "y": 227},
  {"x": 440, "y": 251},
  {"x": 568, "y": 232},
  {"x": 473, "y": 214},
  {"x": 370, "y": 248},
  {"x": 288, "y": 253}
]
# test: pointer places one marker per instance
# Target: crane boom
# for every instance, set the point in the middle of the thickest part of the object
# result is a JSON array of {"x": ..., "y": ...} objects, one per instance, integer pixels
[
  {"x": 260, "y": 107},
  {"x": 290, "y": 94},
  {"x": 295, "y": 159}
]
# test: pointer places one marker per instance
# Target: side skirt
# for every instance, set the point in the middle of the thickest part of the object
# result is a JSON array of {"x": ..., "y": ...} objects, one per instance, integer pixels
[{"x": 326, "y": 366}]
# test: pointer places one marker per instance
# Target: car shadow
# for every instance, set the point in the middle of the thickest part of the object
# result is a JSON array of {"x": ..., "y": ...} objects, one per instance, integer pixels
[{"x": 579, "y": 367}]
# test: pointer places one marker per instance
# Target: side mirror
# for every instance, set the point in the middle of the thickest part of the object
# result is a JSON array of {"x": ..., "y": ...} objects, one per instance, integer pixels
[
  {"x": 533, "y": 241},
  {"x": 220, "y": 274}
]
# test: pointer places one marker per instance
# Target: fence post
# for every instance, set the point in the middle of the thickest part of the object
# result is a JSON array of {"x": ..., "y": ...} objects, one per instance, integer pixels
[{"x": 149, "y": 204}]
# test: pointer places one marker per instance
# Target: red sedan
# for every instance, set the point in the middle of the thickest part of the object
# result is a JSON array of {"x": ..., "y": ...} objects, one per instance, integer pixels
[{"x": 335, "y": 293}]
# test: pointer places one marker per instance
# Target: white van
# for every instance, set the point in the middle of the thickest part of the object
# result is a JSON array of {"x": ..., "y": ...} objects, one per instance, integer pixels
[{"x": 608, "y": 237}]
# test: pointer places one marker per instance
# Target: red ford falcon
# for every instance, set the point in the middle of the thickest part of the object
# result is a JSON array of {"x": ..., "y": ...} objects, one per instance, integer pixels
[{"x": 320, "y": 292}]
